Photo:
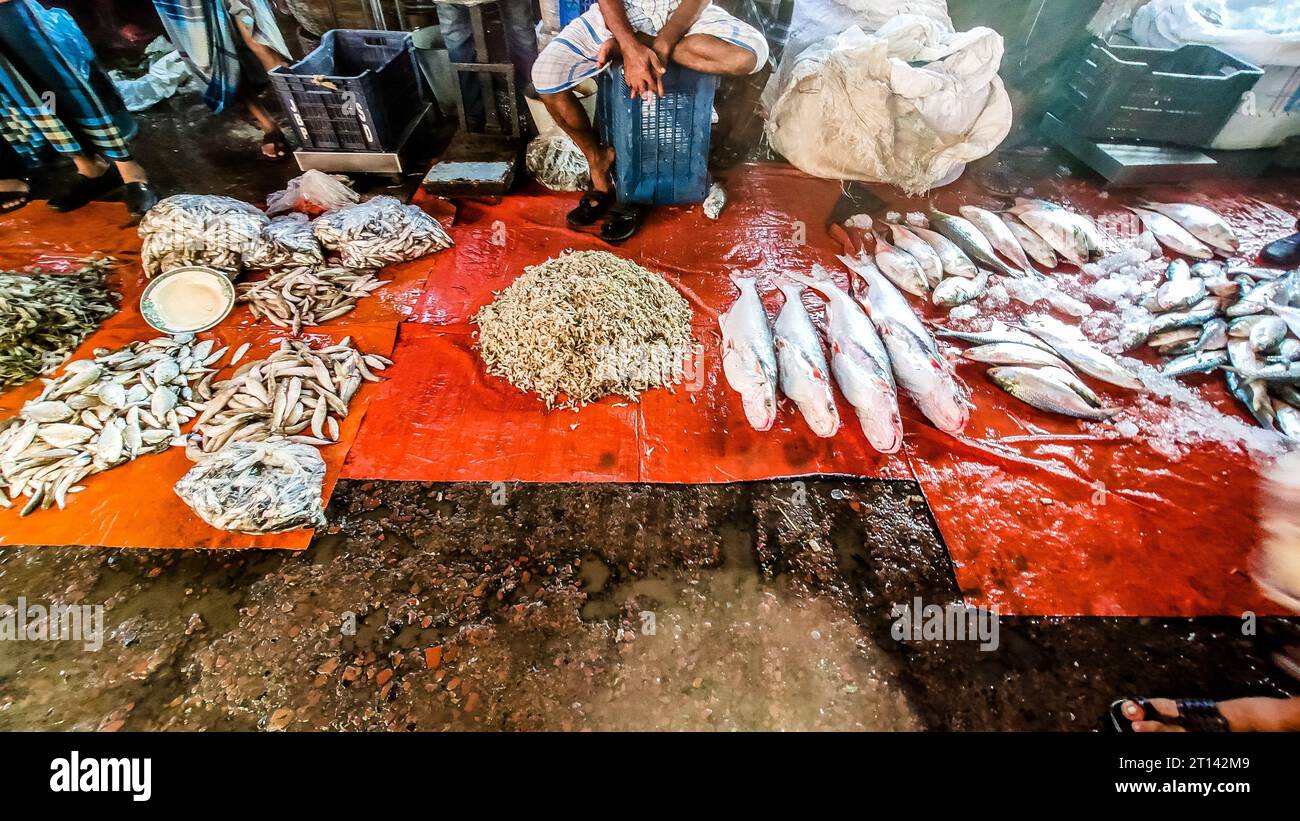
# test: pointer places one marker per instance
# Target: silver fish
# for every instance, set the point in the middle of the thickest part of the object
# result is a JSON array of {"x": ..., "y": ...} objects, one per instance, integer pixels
[
  {"x": 998, "y": 235},
  {"x": 954, "y": 259},
  {"x": 1081, "y": 353},
  {"x": 920, "y": 250},
  {"x": 902, "y": 268},
  {"x": 1201, "y": 223},
  {"x": 1172, "y": 235},
  {"x": 1013, "y": 353},
  {"x": 955, "y": 291},
  {"x": 804, "y": 374},
  {"x": 1032, "y": 386},
  {"x": 748, "y": 356},
  {"x": 1034, "y": 245}
]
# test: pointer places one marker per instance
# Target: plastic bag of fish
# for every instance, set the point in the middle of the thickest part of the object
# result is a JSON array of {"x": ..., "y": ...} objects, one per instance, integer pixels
[
  {"x": 286, "y": 240},
  {"x": 379, "y": 232},
  {"x": 557, "y": 163},
  {"x": 194, "y": 229},
  {"x": 257, "y": 487}
]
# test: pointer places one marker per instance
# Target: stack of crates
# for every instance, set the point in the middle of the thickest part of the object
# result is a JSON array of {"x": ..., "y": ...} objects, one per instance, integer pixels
[
  {"x": 359, "y": 91},
  {"x": 661, "y": 144}
]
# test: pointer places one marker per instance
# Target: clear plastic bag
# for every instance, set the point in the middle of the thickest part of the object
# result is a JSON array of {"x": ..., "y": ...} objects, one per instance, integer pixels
[
  {"x": 378, "y": 232},
  {"x": 257, "y": 487},
  {"x": 199, "y": 229},
  {"x": 557, "y": 163},
  {"x": 315, "y": 192},
  {"x": 286, "y": 241}
]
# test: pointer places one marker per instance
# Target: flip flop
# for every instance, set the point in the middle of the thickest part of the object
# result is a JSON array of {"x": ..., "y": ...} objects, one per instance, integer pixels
[
  {"x": 623, "y": 221},
  {"x": 1285, "y": 251},
  {"x": 278, "y": 142},
  {"x": 139, "y": 198},
  {"x": 1196, "y": 715},
  {"x": 591, "y": 208},
  {"x": 11, "y": 201},
  {"x": 84, "y": 189}
]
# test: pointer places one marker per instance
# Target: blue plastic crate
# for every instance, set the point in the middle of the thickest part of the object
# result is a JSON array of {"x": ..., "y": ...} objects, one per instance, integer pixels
[
  {"x": 571, "y": 10},
  {"x": 662, "y": 144}
]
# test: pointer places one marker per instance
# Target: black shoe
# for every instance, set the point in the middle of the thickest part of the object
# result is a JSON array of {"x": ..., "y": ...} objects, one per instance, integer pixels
[
  {"x": 623, "y": 221},
  {"x": 139, "y": 198},
  {"x": 1285, "y": 251},
  {"x": 84, "y": 189},
  {"x": 591, "y": 207}
]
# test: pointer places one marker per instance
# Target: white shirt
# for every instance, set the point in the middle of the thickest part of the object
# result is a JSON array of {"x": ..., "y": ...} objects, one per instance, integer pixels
[{"x": 650, "y": 15}]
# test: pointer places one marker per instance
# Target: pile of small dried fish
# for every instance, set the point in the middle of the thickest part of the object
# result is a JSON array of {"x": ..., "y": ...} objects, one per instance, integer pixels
[
  {"x": 44, "y": 317},
  {"x": 296, "y": 391},
  {"x": 1036, "y": 362},
  {"x": 102, "y": 412},
  {"x": 257, "y": 487},
  {"x": 303, "y": 296},
  {"x": 583, "y": 325},
  {"x": 378, "y": 232},
  {"x": 1244, "y": 321},
  {"x": 199, "y": 229}
]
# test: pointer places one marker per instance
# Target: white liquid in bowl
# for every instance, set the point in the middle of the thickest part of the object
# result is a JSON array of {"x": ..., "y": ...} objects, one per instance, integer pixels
[{"x": 186, "y": 303}]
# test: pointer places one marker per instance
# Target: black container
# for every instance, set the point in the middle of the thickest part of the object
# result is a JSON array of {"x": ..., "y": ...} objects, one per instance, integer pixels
[
  {"x": 357, "y": 92},
  {"x": 1181, "y": 96}
]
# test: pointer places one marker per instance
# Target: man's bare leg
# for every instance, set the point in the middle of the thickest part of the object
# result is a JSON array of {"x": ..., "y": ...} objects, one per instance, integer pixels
[
  {"x": 571, "y": 117},
  {"x": 710, "y": 55}
]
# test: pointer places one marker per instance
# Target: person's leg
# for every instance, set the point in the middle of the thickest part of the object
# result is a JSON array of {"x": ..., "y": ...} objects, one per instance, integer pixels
[
  {"x": 568, "y": 113},
  {"x": 521, "y": 36},
  {"x": 711, "y": 55},
  {"x": 577, "y": 53},
  {"x": 458, "y": 36}
]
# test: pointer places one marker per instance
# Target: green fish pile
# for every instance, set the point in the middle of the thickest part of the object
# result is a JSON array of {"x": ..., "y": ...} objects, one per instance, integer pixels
[{"x": 45, "y": 316}]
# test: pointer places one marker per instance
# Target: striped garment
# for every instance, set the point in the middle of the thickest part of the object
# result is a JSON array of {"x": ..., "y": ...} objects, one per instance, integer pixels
[
  {"x": 571, "y": 57},
  {"x": 204, "y": 32},
  {"x": 48, "y": 100}
]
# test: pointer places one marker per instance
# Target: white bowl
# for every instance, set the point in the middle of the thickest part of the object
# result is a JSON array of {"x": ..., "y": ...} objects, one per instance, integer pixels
[{"x": 187, "y": 300}]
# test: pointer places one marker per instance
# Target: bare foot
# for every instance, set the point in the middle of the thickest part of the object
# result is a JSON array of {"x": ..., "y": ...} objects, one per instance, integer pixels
[
  {"x": 1243, "y": 715},
  {"x": 602, "y": 177}
]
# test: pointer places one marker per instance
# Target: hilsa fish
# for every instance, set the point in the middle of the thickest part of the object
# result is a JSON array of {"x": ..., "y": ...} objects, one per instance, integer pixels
[
  {"x": 749, "y": 355},
  {"x": 801, "y": 364},
  {"x": 972, "y": 243},
  {"x": 998, "y": 235},
  {"x": 860, "y": 364},
  {"x": 1200, "y": 222},
  {"x": 914, "y": 357}
]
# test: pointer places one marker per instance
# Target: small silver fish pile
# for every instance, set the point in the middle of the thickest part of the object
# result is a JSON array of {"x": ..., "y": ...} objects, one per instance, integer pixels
[
  {"x": 378, "y": 232},
  {"x": 101, "y": 413},
  {"x": 286, "y": 240},
  {"x": 299, "y": 393},
  {"x": 1037, "y": 361},
  {"x": 257, "y": 487},
  {"x": 303, "y": 296},
  {"x": 1243, "y": 321},
  {"x": 1191, "y": 230},
  {"x": 44, "y": 317},
  {"x": 199, "y": 229}
]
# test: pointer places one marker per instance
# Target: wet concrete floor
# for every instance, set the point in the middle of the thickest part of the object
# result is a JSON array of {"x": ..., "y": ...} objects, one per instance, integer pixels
[{"x": 585, "y": 607}]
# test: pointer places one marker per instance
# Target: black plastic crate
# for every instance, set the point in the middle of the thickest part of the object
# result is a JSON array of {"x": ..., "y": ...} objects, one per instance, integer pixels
[
  {"x": 1182, "y": 96},
  {"x": 356, "y": 92}
]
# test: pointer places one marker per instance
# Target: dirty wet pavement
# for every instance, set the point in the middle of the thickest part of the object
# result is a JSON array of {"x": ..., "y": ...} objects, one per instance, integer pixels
[{"x": 594, "y": 607}]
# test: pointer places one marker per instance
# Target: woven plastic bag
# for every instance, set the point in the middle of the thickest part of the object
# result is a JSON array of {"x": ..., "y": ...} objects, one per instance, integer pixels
[
  {"x": 378, "y": 232},
  {"x": 257, "y": 487}
]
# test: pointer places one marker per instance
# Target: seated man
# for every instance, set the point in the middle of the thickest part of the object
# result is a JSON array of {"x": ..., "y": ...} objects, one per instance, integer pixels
[{"x": 645, "y": 34}]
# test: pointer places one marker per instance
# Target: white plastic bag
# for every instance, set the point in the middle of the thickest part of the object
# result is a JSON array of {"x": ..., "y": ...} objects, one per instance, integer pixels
[
  {"x": 286, "y": 240},
  {"x": 257, "y": 487},
  {"x": 908, "y": 104},
  {"x": 314, "y": 192},
  {"x": 1266, "y": 34},
  {"x": 379, "y": 232}
]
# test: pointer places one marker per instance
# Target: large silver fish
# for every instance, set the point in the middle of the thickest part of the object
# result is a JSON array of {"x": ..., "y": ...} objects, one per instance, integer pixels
[
  {"x": 749, "y": 355},
  {"x": 804, "y": 375},
  {"x": 998, "y": 235},
  {"x": 954, "y": 259},
  {"x": 1079, "y": 352},
  {"x": 925, "y": 256},
  {"x": 1035, "y": 387},
  {"x": 1034, "y": 245},
  {"x": 918, "y": 366},
  {"x": 901, "y": 267},
  {"x": 860, "y": 364},
  {"x": 1072, "y": 235},
  {"x": 1172, "y": 235},
  {"x": 1201, "y": 223},
  {"x": 971, "y": 241}
]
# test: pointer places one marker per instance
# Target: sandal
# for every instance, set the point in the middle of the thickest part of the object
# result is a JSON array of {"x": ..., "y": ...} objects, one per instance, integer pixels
[
  {"x": 84, "y": 189},
  {"x": 623, "y": 221},
  {"x": 1285, "y": 251},
  {"x": 591, "y": 207},
  {"x": 279, "y": 146},
  {"x": 1196, "y": 715},
  {"x": 139, "y": 198},
  {"x": 13, "y": 200}
]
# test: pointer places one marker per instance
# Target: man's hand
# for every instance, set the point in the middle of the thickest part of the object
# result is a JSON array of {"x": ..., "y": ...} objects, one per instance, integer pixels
[
  {"x": 609, "y": 52},
  {"x": 643, "y": 70}
]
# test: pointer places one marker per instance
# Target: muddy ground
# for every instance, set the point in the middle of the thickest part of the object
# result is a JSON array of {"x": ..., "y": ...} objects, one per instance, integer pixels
[
  {"x": 423, "y": 606},
  {"x": 428, "y": 606}
]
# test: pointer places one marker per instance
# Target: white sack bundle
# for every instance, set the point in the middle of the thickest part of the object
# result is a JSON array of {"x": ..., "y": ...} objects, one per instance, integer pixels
[
  {"x": 908, "y": 105},
  {"x": 257, "y": 487}
]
